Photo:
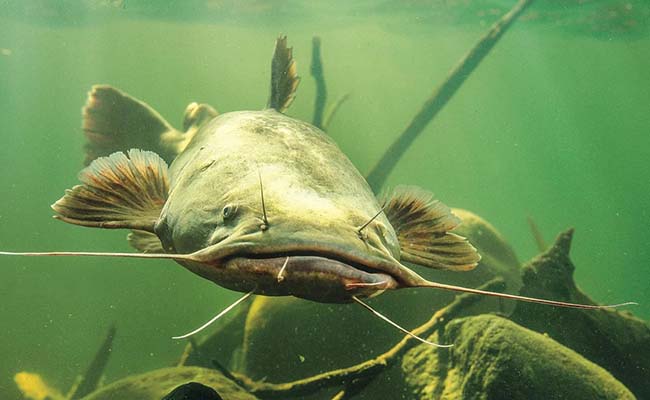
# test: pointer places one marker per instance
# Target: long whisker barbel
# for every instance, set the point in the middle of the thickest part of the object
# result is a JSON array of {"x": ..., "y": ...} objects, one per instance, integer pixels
[
  {"x": 216, "y": 317},
  {"x": 555, "y": 303},
  {"x": 394, "y": 324},
  {"x": 185, "y": 257}
]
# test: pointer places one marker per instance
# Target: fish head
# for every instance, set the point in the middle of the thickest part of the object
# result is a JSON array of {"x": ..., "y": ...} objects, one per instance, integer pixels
[{"x": 275, "y": 232}]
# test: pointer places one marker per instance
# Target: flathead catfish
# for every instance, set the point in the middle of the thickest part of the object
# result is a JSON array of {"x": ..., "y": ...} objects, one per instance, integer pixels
[{"x": 257, "y": 201}]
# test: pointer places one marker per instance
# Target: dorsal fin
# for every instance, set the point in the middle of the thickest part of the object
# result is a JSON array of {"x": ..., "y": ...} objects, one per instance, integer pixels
[
  {"x": 118, "y": 191},
  {"x": 284, "y": 76},
  {"x": 114, "y": 121},
  {"x": 422, "y": 225}
]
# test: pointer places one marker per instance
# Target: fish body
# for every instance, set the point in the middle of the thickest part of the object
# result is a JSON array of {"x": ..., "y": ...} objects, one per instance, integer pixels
[
  {"x": 255, "y": 201},
  {"x": 258, "y": 202}
]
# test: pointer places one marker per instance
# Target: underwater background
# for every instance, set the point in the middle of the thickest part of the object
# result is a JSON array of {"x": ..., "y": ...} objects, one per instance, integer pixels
[{"x": 554, "y": 124}]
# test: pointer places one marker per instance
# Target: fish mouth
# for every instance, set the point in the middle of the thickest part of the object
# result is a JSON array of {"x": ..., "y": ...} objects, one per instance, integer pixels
[
  {"x": 303, "y": 262},
  {"x": 365, "y": 259},
  {"x": 305, "y": 274},
  {"x": 295, "y": 254}
]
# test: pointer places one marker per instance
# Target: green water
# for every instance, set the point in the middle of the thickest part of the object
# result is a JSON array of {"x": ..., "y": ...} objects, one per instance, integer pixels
[{"x": 554, "y": 124}]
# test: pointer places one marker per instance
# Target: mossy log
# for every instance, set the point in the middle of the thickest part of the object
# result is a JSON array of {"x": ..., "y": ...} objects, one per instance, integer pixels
[
  {"x": 358, "y": 376},
  {"x": 494, "y": 358},
  {"x": 615, "y": 340}
]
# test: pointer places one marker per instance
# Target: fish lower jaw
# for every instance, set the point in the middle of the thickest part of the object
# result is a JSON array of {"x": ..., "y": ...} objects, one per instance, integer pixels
[{"x": 313, "y": 277}]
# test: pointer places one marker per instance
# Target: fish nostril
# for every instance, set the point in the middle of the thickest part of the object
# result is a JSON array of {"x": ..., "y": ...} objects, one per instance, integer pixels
[{"x": 207, "y": 165}]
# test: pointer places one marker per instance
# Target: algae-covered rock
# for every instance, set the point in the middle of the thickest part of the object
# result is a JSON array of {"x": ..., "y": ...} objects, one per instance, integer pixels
[
  {"x": 156, "y": 384},
  {"x": 494, "y": 358},
  {"x": 288, "y": 338},
  {"x": 617, "y": 341}
]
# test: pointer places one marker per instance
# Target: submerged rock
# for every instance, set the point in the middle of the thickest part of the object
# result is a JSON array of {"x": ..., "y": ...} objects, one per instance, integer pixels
[
  {"x": 156, "y": 384},
  {"x": 494, "y": 358},
  {"x": 193, "y": 391},
  {"x": 287, "y": 338},
  {"x": 615, "y": 340}
]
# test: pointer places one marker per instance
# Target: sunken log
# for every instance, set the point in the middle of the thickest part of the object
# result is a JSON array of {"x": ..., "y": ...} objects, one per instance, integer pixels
[
  {"x": 494, "y": 358},
  {"x": 615, "y": 340}
]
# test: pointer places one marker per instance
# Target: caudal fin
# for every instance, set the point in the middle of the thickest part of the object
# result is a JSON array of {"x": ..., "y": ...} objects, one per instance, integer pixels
[{"x": 114, "y": 121}]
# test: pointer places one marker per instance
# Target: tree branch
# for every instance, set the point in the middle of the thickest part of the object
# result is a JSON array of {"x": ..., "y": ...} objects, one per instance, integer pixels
[
  {"x": 378, "y": 174},
  {"x": 367, "y": 370},
  {"x": 321, "y": 88}
]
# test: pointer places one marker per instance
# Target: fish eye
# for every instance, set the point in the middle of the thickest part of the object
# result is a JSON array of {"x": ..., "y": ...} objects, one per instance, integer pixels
[{"x": 229, "y": 211}]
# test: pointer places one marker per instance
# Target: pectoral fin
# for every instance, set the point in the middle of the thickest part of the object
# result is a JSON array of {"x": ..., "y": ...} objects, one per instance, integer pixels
[
  {"x": 284, "y": 76},
  {"x": 118, "y": 191},
  {"x": 146, "y": 242},
  {"x": 114, "y": 121},
  {"x": 423, "y": 227}
]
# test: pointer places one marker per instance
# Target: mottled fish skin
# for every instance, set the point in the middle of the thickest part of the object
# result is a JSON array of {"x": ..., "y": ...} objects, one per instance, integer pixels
[{"x": 315, "y": 199}]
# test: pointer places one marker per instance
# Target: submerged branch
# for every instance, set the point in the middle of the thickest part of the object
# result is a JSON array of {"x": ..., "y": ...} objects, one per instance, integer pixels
[
  {"x": 359, "y": 375},
  {"x": 353, "y": 388},
  {"x": 321, "y": 88},
  {"x": 378, "y": 174},
  {"x": 90, "y": 380},
  {"x": 537, "y": 234},
  {"x": 333, "y": 110}
]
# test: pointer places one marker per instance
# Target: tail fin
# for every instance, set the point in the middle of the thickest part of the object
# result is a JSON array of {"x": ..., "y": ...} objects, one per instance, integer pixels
[{"x": 114, "y": 121}]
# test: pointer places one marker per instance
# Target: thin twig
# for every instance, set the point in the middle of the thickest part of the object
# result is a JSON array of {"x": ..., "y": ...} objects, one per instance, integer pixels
[
  {"x": 378, "y": 174},
  {"x": 537, "y": 234},
  {"x": 353, "y": 388},
  {"x": 333, "y": 110},
  {"x": 321, "y": 88},
  {"x": 367, "y": 369}
]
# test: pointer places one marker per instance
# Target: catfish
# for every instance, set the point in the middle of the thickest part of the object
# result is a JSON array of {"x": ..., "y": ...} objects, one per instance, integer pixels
[{"x": 258, "y": 202}]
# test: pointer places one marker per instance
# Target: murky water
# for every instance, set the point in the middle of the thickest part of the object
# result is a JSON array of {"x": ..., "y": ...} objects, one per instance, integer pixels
[{"x": 554, "y": 124}]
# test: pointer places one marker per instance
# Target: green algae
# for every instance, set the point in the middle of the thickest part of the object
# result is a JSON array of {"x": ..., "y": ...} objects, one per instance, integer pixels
[{"x": 494, "y": 358}]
